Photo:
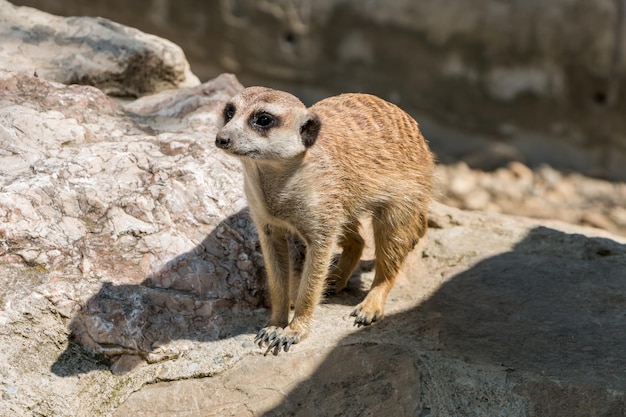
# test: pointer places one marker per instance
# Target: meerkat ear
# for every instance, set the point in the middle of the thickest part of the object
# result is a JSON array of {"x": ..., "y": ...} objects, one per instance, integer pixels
[{"x": 310, "y": 129}]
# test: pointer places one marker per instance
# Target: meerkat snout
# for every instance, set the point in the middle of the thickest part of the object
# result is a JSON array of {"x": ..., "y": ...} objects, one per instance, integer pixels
[{"x": 222, "y": 141}]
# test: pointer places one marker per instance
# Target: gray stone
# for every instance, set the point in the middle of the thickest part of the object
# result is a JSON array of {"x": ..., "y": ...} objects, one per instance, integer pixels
[
  {"x": 93, "y": 51},
  {"x": 493, "y": 315},
  {"x": 127, "y": 259},
  {"x": 544, "y": 80},
  {"x": 125, "y": 232}
]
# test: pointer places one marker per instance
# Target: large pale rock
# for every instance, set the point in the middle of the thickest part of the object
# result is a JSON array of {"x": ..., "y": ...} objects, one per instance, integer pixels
[
  {"x": 125, "y": 242},
  {"x": 125, "y": 232},
  {"x": 494, "y": 315},
  {"x": 82, "y": 50}
]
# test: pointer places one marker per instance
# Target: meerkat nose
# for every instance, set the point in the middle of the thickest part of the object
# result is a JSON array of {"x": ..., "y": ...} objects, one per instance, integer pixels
[{"x": 222, "y": 141}]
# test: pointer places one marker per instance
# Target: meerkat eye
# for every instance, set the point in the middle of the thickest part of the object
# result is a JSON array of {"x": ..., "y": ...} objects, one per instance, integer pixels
[
  {"x": 229, "y": 112},
  {"x": 263, "y": 120}
]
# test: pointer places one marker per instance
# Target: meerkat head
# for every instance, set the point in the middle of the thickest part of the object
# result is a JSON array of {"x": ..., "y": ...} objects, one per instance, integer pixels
[{"x": 265, "y": 124}]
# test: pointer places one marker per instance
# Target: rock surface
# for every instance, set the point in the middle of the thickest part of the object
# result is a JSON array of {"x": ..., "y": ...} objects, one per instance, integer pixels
[
  {"x": 126, "y": 232},
  {"x": 131, "y": 280},
  {"x": 132, "y": 283},
  {"x": 494, "y": 315},
  {"x": 117, "y": 59},
  {"x": 543, "y": 193}
]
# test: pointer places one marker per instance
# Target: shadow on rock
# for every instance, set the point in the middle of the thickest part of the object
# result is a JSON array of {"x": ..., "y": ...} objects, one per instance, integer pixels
[
  {"x": 538, "y": 330},
  {"x": 205, "y": 294}
]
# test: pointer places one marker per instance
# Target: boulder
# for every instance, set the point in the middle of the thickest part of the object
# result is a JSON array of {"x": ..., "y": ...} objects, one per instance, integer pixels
[
  {"x": 131, "y": 280},
  {"x": 493, "y": 315},
  {"x": 117, "y": 59},
  {"x": 114, "y": 222},
  {"x": 132, "y": 283}
]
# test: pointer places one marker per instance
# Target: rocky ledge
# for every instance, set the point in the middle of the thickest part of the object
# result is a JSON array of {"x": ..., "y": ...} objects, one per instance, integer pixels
[{"x": 132, "y": 285}]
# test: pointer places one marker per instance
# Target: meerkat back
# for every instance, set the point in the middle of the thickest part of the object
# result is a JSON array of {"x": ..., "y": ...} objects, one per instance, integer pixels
[{"x": 376, "y": 142}]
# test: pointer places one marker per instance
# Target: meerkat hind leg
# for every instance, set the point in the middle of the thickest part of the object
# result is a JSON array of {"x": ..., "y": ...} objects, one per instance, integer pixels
[
  {"x": 352, "y": 244},
  {"x": 393, "y": 240}
]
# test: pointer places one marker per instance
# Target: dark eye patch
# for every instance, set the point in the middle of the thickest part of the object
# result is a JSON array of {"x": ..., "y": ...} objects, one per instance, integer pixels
[
  {"x": 229, "y": 112},
  {"x": 263, "y": 121}
]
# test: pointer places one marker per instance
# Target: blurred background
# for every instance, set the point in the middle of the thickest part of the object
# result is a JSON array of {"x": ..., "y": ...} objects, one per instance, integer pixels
[{"x": 521, "y": 100}]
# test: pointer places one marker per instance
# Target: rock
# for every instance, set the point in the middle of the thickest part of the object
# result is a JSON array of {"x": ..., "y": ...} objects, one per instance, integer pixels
[
  {"x": 125, "y": 231},
  {"x": 462, "y": 183},
  {"x": 542, "y": 193},
  {"x": 618, "y": 215},
  {"x": 494, "y": 315},
  {"x": 596, "y": 220},
  {"x": 117, "y": 59},
  {"x": 127, "y": 258},
  {"x": 521, "y": 171}
]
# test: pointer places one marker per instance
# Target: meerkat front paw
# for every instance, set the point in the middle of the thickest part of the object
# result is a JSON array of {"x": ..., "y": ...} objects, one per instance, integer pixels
[{"x": 278, "y": 339}]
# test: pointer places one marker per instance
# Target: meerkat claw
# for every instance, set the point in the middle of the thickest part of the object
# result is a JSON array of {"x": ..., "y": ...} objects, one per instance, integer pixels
[
  {"x": 289, "y": 343},
  {"x": 362, "y": 319},
  {"x": 263, "y": 336},
  {"x": 276, "y": 345},
  {"x": 259, "y": 337},
  {"x": 279, "y": 343}
]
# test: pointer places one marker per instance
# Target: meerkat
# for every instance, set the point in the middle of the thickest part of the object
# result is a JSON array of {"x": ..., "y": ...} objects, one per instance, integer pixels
[{"x": 314, "y": 172}]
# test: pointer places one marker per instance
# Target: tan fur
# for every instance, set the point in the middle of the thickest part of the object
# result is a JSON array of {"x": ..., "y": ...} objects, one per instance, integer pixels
[{"x": 356, "y": 155}]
